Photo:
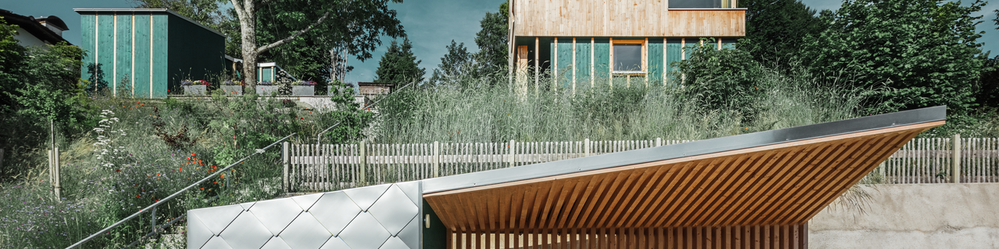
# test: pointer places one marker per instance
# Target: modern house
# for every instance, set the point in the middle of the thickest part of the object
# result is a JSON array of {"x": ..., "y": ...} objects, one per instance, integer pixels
[
  {"x": 32, "y": 31},
  {"x": 584, "y": 43},
  {"x": 146, "y": 52}
]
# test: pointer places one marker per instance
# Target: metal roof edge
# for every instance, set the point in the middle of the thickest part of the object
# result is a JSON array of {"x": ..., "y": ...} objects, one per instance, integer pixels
[
  {"x": 81, "y": 10},
  {"x": 701, "y": 147}
]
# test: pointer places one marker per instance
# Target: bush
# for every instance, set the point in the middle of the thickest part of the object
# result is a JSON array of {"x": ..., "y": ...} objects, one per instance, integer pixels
[{"x": 726, "y": 79}]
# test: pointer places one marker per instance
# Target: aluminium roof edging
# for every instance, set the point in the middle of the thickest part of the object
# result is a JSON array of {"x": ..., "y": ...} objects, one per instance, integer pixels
[
  {"x": 701, "y": 147},
  {"x": 79, "y": 10}
]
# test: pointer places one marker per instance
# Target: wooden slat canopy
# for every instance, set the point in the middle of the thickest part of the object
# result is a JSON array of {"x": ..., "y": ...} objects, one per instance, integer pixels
[{"x": 776, "y": 184}]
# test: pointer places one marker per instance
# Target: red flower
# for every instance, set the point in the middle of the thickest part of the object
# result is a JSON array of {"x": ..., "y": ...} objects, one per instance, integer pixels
[
  {"x": 192, "y": 153},
  {"x": 180, "y": 169},
  {"x": 138, "y": 196}
]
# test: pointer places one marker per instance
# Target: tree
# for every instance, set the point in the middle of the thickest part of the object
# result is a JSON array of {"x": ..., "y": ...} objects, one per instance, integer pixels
[
  {"x": 367, "y": 19},
  {"x": 399, "y": 65},
  {"x": 775, "y": 30},
  {"x": 458, "y": 62},
  {"x": 907, "y": 54},
  {"x": 493, "y": 40}
]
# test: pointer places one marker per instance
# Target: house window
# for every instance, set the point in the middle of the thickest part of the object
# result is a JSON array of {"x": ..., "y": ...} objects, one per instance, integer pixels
[
  {"x": 628, "y": 57},
  {"x": 701, "y": 3}
]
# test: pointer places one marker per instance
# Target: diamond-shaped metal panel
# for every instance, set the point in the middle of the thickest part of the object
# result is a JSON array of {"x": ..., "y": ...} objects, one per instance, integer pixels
[
  {"x": 394, "y": 243},
  {"x": 276, "y": 243},
  {"x": 366, "y": 196},
  {"x": 364, "y": 232},
  {"x": 276, "y": 214},
  {"x": 306, "y": 201},
  {"x": 246, "y": 232},
  {"x": 412, "y": 189},
  {"x": 334, "y": 210},
  {"x": 335, "y": 243},
  {"x": 216, "y": 243},
  {"x": 246, "y": 206},
  {"x": 217, "y": 218},
  {"x": 197, "y": 232},
  {"x": 394, "y": 210},
  {"x": 305, "y": 232},
  {"x": 411, "y": 234}
]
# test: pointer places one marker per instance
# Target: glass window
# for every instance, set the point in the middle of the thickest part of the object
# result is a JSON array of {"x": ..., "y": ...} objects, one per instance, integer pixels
[
  {"x": 628, "y": 57},
  {"x": 697, "y": 3}
]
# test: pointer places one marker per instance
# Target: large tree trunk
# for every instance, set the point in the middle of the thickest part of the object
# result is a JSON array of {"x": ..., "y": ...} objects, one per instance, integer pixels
[{"x": 248, "y": 30}]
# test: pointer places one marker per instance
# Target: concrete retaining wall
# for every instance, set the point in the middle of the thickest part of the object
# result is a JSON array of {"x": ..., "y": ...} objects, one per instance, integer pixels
[{"x": 912, "y": 216}]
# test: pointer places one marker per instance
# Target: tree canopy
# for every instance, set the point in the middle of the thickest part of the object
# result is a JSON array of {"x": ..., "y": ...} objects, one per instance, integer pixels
[
  {"x": 906, "y": 54},
  {"x": 775, "y": 30},
  {"x": 399, "y": 65},
  {"x": 493, "y": 40}
]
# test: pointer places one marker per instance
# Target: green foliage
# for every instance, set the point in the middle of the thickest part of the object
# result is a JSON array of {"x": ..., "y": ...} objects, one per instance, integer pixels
[
  {"x": 726, "y": 79},
  {"x": 355, "y": 27},
  {"x": 458, "y": 62},
  {"x": 348, "y": 118},
  {"x": 399, "y": 65},
  {"x": 54, "y": 91},
  {"x": 907, "y": 54},
  {"x": 493, "y": 41},
  {"x": 776, "y": 29}
]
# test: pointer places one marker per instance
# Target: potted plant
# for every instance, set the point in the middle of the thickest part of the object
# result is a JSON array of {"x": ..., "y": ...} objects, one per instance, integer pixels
[
  {"x": 197, "y": 87},
  {"x": 233, "y": 87},
  {"x": 303, "y": 88},
  {"x": 265, "y": 88}
]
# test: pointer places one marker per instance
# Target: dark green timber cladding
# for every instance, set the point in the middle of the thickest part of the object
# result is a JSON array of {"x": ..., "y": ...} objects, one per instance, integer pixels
[
  {"x": 159, "y": 67},
  {"x": 105, "y": 50},
  {"x": 728, "y": 43},
  {"x": 87, "y": 44},
  {"x": 564, "y": 63},
  {"x": 601, "y": 60},
  {"x": 142, "y": 52},
  {"x": 672, "y": 56},
  {"x": 655, "y": 60},
  {"x": 582, "y": 62},
  {"x": 435, "y": 236},
  {"x": 265, "y": 74},
  {"x": 123, "y": 54},
  {"x": 194, "y": 52}
]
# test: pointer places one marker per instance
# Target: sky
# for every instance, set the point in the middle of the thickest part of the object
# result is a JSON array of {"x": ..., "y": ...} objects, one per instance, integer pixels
[{"x": 430, "y": 25}]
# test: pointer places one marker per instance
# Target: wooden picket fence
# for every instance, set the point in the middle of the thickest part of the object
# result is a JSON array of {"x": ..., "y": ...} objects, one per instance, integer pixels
[{"x": 325, "y": 167}]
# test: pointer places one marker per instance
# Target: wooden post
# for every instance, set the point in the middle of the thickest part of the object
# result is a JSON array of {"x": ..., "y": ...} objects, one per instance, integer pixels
[
  {"x": 286, "y": 162},
  {"x": 659, "y": 142},
  {"x": 56, "y": 169},
  {"x": 152, "y": 220},
  {"x": 586, "y": 147},
  {"x": 436, "y": 158},
  {"x": 513, "y": 146},
  {"x": 1, "y": 160},
  {"x": 956, "y": 170},
  {"x": 362, "y": 180}
]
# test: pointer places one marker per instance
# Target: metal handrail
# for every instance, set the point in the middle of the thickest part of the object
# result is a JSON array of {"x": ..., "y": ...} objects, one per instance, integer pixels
[{"x": 136, "y": 214}]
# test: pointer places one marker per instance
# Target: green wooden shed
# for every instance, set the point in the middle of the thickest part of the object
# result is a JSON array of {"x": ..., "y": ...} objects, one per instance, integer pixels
[{"x": 145, "y": 53}]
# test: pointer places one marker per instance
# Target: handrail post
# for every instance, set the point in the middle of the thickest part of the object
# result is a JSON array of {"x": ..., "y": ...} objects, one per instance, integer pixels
[
  {"x": 286, "y": 163},
  {"x": 152, "y": 219},
  {"x": 956, "y": 163},
  {"x": 436, "y": 158}
]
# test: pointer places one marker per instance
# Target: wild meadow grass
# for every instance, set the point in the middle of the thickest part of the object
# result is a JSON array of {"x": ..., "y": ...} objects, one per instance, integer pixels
[{"x": 476, "y": 112}]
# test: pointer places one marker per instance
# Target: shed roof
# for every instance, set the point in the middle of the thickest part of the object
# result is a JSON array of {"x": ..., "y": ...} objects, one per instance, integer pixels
[
  {"x": 145, "y": 10},
  {"x": 779, "y": 177}
]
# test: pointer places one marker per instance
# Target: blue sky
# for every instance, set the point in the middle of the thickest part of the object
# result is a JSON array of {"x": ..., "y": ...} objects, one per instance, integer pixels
[{"x": 431, "y": 25}]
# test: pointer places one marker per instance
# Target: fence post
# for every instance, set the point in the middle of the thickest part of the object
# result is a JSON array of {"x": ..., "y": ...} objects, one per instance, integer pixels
[
  {"x": 956, "y": 162},
  {"x": 436, "y": 158},
  {"x": 1, "y": 160},
  {"x": 513, "y": 146},
  {"x": 286, "y": 162},
  {"x": 152, "y": 220},
  {"x": 362, "y": 179},
  {"x": 586, "y": 147},
  {"x": 56, "y": 169},
  {"x": 659, "y": 141}
]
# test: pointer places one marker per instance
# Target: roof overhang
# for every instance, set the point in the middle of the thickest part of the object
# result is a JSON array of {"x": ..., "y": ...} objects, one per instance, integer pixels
[
  {"x": 779, "y": 177},
  {"x": 145, "y": 10}
]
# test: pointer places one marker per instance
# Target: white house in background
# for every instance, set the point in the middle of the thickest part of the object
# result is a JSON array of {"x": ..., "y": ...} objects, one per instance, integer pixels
[{"x": 35, "y": 31}]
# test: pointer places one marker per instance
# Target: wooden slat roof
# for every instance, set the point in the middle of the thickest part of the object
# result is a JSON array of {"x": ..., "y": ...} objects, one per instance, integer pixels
[{"x": 780, "y": 177}]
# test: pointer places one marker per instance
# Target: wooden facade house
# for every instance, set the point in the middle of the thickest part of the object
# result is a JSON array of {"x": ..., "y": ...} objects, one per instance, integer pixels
[
  {"x": 584, "y": 43},
  {"x": 146, "y": 52}
]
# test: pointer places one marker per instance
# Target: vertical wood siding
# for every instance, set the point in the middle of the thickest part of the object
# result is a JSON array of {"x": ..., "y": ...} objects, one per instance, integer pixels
[
  {"x": 583, "y": 62},
  {"x": 105, "y": 49},
  {"x": 159, "y": 65},
  {"x": 142, "y": 52},
  {"x": 655, "y": 61},
  {"x": 87, "y": 36},
  {"x": 635, "y": 18},
  {"x": 123, "y": 53}
]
